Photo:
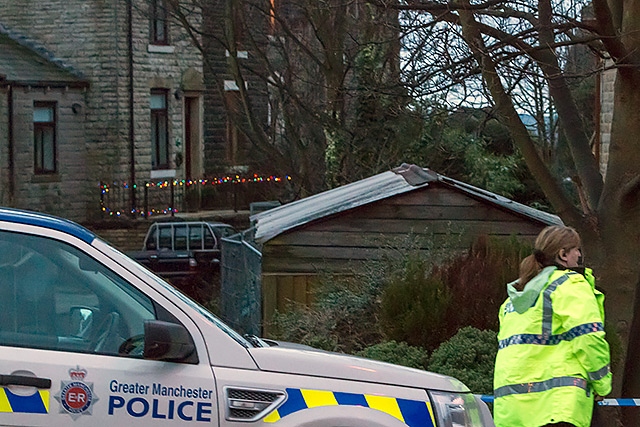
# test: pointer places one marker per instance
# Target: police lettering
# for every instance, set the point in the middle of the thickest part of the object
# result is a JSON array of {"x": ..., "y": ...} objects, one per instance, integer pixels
[
  {"x": 191, "y": 393},
  {"x": 140, "y": 407},
  {"x": 116, "y": 387}
]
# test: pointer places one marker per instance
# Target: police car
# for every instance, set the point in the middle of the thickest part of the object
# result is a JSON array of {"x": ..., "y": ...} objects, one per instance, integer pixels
[{"x": 88, "y": 337}]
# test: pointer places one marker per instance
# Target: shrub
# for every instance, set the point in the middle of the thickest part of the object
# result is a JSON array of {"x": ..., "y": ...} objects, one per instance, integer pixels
[
  {"x": 399, "y": 353},
  {"x": 426, "y": 306},
  {"x": 468, "y": 356},
  {"x": 477, "y": 280},
  {"x": 414, "y": 305},
  {"x": 343, "y": 317}
]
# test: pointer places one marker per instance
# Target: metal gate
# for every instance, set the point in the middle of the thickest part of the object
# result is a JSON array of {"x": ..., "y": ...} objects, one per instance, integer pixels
[{"x": 240, "y": 284}]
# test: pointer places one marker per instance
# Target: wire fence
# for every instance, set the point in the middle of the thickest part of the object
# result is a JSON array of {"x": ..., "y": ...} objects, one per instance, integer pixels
[{"x": 241, "y": 284}]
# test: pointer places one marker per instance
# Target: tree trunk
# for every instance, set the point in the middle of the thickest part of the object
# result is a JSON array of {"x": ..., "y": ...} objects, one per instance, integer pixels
[{"x": 619, "y": 216}]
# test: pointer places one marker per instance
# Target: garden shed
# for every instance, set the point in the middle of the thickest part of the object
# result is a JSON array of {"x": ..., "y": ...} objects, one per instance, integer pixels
[{"x": 340, "y": 230}]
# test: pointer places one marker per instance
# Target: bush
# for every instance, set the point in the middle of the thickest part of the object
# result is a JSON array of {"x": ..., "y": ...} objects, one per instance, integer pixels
[
  {"x": 477, "y": 280},
  {"x": 343, "y": 317},
  {"x": 468, "y": 356},
  {"x": 399, "y": 353},
  {"x": 414, "y": 305},
  {"x": 426, "y": 306},
  {"x": 346, "y": 313}
]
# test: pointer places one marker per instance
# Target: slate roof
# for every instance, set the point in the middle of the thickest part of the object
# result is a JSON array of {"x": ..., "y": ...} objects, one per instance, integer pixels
[
  {"x": 24, "y": 62},
  {"x": 406, "y": 178}
]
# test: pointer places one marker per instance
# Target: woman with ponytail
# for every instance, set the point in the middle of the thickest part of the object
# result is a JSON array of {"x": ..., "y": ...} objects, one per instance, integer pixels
[{"x": 553, "y": 357}]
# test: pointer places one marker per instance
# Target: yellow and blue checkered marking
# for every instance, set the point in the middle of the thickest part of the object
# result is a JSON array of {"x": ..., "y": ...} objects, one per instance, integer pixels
[
  {"x": 37, "y": 403},
  {"x": 414, "y": 413}
]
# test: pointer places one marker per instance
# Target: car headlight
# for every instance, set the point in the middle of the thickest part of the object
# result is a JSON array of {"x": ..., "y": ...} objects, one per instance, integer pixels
[{"x": 456, "y": 409}]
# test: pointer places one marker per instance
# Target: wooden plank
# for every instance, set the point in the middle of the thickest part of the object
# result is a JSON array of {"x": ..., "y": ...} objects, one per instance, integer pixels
[
  {"x": 310, "y": 266},
  {"x": 300, "y": 290},
  {"x": 366, "y": 239},
  {"x": 284, "y": 292},
  {"x": 326, "y": 238},
  {"x": 424, "y": 212},
  {"x": 269, "y": 301},
  {"x": 372, "y": 241},
  {"x": 319, "y": 265},
  {"x": 426, "y": 227},
  {"x": 433, "y": 196},
  {"x": 325, "y": 252},
  {"x": 311, "y": 283}
]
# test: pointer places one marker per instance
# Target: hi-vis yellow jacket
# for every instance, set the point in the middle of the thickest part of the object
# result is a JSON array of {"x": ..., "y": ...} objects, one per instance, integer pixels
[{"x": 552, "y": 352}]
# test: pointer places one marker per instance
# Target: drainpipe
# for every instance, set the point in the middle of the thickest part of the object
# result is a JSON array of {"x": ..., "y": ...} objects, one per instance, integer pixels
[
  {"x": 11, "y": 143},
  {"x": 132, "y": 145}
]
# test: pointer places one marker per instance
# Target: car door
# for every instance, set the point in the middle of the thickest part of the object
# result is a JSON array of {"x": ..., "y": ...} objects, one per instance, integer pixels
[{"x": 71, "y": 342}]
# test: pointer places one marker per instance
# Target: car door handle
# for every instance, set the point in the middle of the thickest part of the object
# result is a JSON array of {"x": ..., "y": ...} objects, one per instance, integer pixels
[{"x": 25, "y": 381}]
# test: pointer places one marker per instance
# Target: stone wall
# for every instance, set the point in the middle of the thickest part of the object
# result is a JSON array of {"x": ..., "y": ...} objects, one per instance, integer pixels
[
  {"x": 66, "y": 192},
  {"x": 123, "y": 235},
  {"x": 607, "y": 81},
  {"x": 218, "y": 152}
]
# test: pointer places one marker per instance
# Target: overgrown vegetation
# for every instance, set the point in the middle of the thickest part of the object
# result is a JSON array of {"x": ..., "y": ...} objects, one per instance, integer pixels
[
  {"x": 344, "y": 317},
  {"x": 468, "y": 356},
  {"x": 409, "y": 307},
  {"x": 399, "y": 353},
  {"x": 426, "y": 307},
  {"x": 471, "y": 145}
]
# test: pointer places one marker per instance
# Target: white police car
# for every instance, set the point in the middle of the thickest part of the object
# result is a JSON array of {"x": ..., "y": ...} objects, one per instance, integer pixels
[{"x": 90, "y": 338}]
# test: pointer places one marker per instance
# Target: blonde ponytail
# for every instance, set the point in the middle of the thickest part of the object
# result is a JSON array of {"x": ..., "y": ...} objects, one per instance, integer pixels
[{"x": 547, "y": 246}]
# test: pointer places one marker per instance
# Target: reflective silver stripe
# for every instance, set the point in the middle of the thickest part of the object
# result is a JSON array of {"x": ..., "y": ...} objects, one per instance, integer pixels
[
  {"x": 599, "y": 374},
  {"x": 547, "y": 309},
  {"x": 540, "y": 386}
]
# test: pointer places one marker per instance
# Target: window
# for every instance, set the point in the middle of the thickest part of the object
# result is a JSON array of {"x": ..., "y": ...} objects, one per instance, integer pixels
[
  {"x": 195, "y": 237},
  {"x": 209, "y": 240},
  {"x": 55, "y": 297},
  {"x": 159, "y": 27},
  {"x": 159, "y": 130},
  {"x": 44, "y": 137},
  {"x": 180, "y": 237},
  {"x": 236, "y": 140},
  {"x": 166, "y": 238}
]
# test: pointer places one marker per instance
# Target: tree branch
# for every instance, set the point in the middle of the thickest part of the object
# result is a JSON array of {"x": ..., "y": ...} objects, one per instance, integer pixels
[{"x": 504, "y": 107}]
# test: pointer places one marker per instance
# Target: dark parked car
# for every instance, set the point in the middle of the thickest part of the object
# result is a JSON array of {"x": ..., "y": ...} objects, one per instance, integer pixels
[{"x": 185, "y": 253}]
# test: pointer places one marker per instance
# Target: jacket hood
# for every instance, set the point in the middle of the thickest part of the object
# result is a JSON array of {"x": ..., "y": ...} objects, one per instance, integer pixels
[
  {"x": 334, "y": 365},
  {"x": 525, "y": 299}
]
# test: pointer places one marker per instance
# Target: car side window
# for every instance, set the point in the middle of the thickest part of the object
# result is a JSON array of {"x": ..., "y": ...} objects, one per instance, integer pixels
[
  {"x": 195, "y": 237},
  {"x": 55, "y": 297},
  {"x": 209, "y": 239},
  {"x": 152, "y": 238},
  {"x": 165, "y": 240},
  {"x": 180, "y": 240}
]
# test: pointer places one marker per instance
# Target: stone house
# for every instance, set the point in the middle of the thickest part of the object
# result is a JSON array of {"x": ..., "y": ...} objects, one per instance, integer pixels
[
  {"x": 44, "y": 100},
  {"x": 95, "y": 91}
]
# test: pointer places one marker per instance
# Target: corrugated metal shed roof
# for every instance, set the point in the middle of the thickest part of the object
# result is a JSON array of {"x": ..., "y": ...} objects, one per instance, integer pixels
[
  {"x": 271, "y": 223},
  {"x": 23, "y": 62}
]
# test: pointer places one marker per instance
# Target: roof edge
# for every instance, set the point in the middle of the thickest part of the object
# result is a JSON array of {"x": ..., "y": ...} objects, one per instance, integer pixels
[{"x": 41, "y": 51}]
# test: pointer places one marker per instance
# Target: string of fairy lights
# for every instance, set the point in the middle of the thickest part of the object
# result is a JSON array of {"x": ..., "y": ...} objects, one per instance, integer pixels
[{"x": 106, "y": 189}]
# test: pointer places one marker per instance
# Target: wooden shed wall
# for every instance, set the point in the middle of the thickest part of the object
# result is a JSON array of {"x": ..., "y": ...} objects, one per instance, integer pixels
[{"x": 337, "y": 244}]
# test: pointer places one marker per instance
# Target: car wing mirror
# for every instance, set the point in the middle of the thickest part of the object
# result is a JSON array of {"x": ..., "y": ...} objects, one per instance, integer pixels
[{"x": 168, "y": 341}]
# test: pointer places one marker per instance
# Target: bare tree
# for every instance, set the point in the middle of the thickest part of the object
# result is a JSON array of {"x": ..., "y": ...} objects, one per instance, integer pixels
[
  {"x": 489, "y": 49},
  {"x": 329, "y": 73}
]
